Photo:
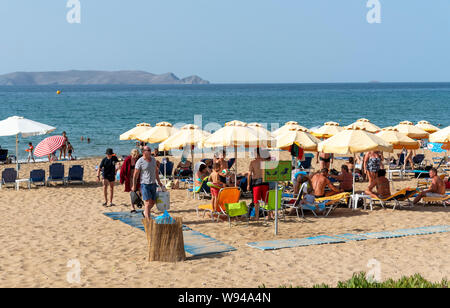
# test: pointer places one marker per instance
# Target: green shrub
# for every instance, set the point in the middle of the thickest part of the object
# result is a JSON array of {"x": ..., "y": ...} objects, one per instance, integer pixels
[{"x": 359, "y": 280}]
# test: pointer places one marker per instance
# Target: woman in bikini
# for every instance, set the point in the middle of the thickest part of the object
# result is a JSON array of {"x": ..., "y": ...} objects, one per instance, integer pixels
[
  {"x": 325, "y": 160},
  {"x": 64, "y": 146},
  {"x": 372, "y": 163}
]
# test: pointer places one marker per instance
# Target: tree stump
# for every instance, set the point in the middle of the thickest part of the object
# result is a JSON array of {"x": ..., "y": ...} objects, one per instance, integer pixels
[{"x": 165, "y": 242}]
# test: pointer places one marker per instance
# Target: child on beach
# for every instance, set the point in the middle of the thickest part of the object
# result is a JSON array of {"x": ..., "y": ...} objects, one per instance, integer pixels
[
  {"x": 30, "y": 152},
  {"x": 217, "y": 184},
  {"x": 69, "y": 151}
]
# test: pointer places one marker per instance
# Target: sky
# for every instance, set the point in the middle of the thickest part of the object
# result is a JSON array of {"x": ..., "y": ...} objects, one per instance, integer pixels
[{"x": 232, "y": 41}]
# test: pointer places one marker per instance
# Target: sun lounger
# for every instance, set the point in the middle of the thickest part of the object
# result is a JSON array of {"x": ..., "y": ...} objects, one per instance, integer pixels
[
  {"x": 76, "y": 173},
  {"x": 56, "y": 171},
  {"x": 331, "y": 202},
  {"x": 37, "y": 176},
  {"x": 445, "y": 200},
  {"x": 9, "y": 177},
  {"x": 402, "y": 195},
  {"x": 226, "y": 195}
]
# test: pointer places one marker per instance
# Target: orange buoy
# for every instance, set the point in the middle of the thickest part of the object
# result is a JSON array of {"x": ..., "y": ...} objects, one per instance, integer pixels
[{"x": 58, "y": 92}]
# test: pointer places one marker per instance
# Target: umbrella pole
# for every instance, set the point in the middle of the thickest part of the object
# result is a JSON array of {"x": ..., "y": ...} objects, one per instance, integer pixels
[
  {"x": 17, "y": 154},
  {"x": 235, "y": 161},
  {"x": 193, "y": 175},
  {"x": 354, "y": 173}
]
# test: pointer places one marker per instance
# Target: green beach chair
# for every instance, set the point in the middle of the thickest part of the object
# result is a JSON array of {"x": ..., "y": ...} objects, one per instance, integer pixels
[
  {"x": 236, "y": 209},
  {"x": 270, "y": 205}
]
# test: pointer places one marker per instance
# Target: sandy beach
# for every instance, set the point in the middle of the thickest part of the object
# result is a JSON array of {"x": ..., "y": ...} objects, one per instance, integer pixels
[{"x": 45, "y": 227}]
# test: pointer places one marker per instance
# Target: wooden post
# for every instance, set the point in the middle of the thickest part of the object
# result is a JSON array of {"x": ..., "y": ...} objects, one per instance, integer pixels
[{"x": 165, "y": 242}]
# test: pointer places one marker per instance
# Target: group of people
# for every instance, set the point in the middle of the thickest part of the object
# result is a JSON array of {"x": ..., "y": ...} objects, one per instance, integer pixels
[
  {"x": 66, "y": 150},
  {"x": 139, "y": 173}
]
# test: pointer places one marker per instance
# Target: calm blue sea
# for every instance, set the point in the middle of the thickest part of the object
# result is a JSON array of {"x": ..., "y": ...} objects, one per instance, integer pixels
[{"x": 104, "y": 112}]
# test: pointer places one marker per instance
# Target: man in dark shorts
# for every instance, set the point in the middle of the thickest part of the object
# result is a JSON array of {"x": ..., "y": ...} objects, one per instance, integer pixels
[
  {"x": 108, "y": 168},
  {"x": 146, "y": 169}
]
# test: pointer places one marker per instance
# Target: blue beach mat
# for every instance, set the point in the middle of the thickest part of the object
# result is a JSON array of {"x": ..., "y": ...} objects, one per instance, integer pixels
[
  {"x": 290, "y": 243},
  {"x": 406, "y": 232},
  {"x": 195, "y": 243},
  {"x": 346, "y": 237},
  {"x": 352, "y": 237}
]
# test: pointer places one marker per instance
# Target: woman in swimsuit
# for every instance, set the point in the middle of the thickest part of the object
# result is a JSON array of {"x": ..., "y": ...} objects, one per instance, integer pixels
[
  {"x": 325, "y": 160},
  {"x": 200, "y": 176},
  {"x": 372, "y": 162},
  {"x": 64, "y": 146}
]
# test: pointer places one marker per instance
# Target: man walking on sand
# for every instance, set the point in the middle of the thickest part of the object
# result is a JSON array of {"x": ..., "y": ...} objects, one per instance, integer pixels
[{"x": 145, "y": 168}]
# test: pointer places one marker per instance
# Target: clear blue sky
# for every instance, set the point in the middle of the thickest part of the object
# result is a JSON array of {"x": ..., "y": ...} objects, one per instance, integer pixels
[{"x": 230, "y": 41}]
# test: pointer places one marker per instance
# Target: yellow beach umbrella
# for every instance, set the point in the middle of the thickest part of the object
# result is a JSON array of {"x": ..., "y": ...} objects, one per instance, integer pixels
[
  {"x": 238, "y": 134},
  {"x": 157, "y": 134},
  {"x": 366, "y": 125},
  {"x": 442, "y": 136},
  {"x": 300, "y": 137},
  {"x": 398, "y": 140},
  {"x": 287, "y": 126},
  {"x": 134, "y": 132},
  {"x": 426, "y": 126},
  {"x": 188, "y": 135},
  {"x": 354, "y": 140},
  {"x": 260, "y": 130},
  {"x": 329, "y": 129},
  {"x": 408, "y": 128}
]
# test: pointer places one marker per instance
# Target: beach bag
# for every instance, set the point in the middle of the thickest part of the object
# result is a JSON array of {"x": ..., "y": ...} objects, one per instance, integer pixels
[
  {"x": 162, "y": 200},
  {"x": 136, "y": 199},
  {"x": 164, "y": 219}
]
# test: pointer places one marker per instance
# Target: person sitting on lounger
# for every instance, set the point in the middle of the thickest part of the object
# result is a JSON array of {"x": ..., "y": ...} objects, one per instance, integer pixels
[
  {"x": 345, "y": 179},
  {"x": 382, "y": 185},
  {"x": 320, "y": 181},
  {"x": 436, "y": 190}
]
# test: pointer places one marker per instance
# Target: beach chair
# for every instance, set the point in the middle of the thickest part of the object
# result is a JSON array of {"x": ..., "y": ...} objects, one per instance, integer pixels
[
  {"x": 306, "y": 164},
  {"x": 271, "y": 204},
  {"x": 418, "y": 160},
  {"x": 56, "y": 172},
  {"x": 238, "y": 209},
  {"x": 402, "y": 195},
  {"x": 289, "y": 198},
  {"x": 9, "y": 177},
  {"x": 226, "y": 195},
  {"x": 3, "y": 156},
  {"x": 168, "y": 166},
  {"x": 37, "y": 176},
  {"x": 203, "y": 190},
  {"x": 331, "y": 202},
  {"x": 445, "y": 200},
  {"x": 76, "y": 173}
]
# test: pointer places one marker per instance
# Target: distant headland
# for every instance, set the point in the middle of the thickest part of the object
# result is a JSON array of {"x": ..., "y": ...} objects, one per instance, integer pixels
[{"x": 76, "y": 77}]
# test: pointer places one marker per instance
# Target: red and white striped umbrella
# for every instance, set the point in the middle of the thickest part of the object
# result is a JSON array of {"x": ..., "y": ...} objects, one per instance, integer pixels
[{"x": 48, "y": 145}]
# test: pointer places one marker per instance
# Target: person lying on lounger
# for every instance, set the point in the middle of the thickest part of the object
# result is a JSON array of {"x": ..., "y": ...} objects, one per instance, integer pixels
[{"x": 436, "y": 189}]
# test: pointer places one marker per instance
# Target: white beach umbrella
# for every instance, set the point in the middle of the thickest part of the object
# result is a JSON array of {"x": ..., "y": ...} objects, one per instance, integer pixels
[{"x": 15, "y": 126}]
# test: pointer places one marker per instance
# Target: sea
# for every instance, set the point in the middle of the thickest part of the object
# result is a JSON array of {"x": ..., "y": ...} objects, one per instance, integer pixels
[{"x": 102, "y": 113}]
